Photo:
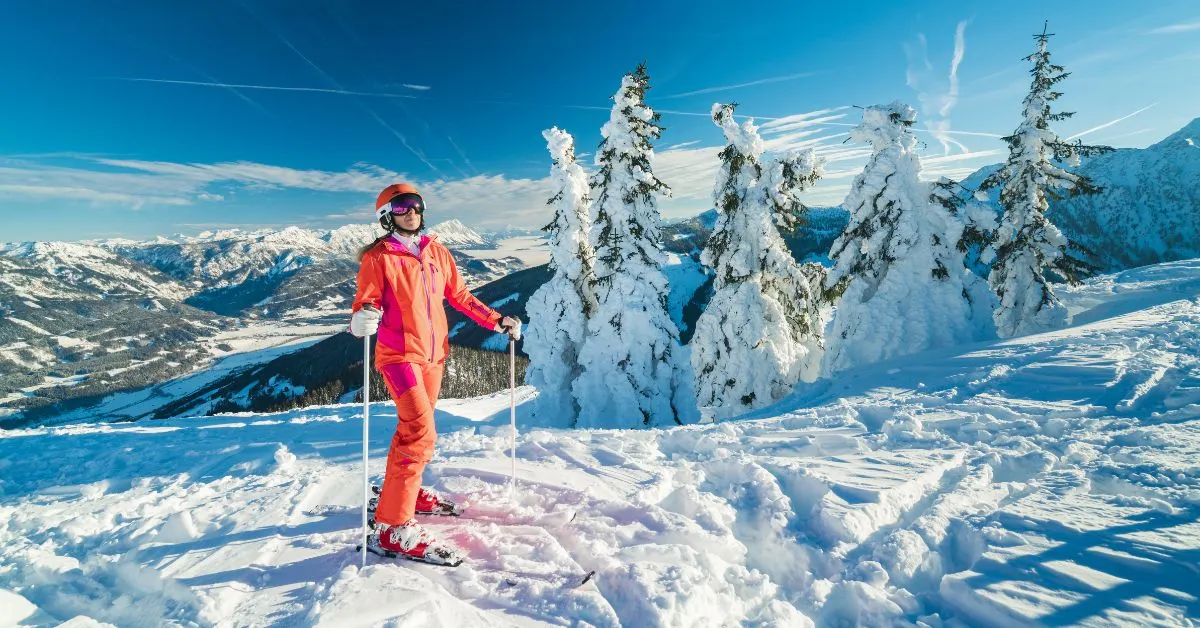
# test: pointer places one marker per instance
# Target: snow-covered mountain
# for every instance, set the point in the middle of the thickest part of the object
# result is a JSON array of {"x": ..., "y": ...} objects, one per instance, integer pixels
[
  {"x": 291, "y": 273},
  {"x": 1047, "y": 480},
  {"x": 78, "y": 322},
  {"x": 85, "y": 270},
  {"x": 240, "y": 273},
  {"x": 81, "y": 320},
  {"x": 455, "y": 234},
  {"x": 1148, "y": 210}
]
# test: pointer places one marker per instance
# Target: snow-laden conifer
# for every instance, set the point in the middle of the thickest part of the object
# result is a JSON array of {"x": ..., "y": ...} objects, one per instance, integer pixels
[
  {"x": 558, "y": 309},
  {"x": 1027, "y": 245},
  {"x": 635, "y": 372},
  {"x": 897, "y": 266},
  {"x": 761, "y": 330}
]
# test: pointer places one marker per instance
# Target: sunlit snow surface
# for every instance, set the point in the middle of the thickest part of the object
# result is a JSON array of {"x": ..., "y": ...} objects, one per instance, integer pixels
[{"x": 1051, "y": 479}]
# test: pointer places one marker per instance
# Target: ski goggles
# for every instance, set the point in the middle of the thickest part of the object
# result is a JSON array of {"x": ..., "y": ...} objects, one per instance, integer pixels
[{"x": 402, "y": 204}]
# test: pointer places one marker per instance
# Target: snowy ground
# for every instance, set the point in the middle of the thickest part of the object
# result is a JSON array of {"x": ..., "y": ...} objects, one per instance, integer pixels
[{"x": 1048, "y": 480}]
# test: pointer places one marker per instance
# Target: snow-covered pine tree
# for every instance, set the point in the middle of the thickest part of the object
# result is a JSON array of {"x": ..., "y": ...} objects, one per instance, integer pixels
[
  {"x": 961, "y": 201},
  {"x": 1027, "y": 245},
  {"x": 761, "y": 330},
  {"x": 784, "y": 177},
  {"x": 635, "y": 373},
  {"x": 897, "y": 265},
  {"x": 979, "y": 226},
  {"x": 558, "y": 309}
]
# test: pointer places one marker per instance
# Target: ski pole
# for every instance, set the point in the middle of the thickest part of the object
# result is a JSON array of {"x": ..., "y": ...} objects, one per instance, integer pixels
[
  {"x": 366, "y": 422},
  {"x": 512, "y": 409}
]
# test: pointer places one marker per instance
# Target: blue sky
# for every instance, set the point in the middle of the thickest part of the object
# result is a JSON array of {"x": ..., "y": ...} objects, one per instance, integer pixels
[{"x": 139, "y": 118}]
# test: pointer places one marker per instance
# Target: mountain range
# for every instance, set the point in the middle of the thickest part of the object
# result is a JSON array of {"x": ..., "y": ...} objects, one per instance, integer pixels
[
  {"x": 1147, "y": 210},
  {"x": 101, "y": 328},
  {"x": 80, "y": 321}
]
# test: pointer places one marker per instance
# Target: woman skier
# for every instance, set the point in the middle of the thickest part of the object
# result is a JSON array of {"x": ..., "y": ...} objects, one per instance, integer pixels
[{"x": 402, "y": 280}]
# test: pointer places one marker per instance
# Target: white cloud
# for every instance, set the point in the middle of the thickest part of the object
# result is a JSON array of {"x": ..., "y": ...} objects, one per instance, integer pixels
[
  {"x": 137, "y": 184},
  {"x": 361, "y": 178},
  {"x": 691, "y": 173},
  {"x": 421, "y": 88},
  {"x": 339, "y": 90},
  {"x": 489, "y": 201},
  {"x": 36, "y": 181},
  {"x": 958, "y": 166},
  {"x": 86, "y": 195},
  {"x": 482, "y": 201},
  {"x": 1171, "y": 29}
]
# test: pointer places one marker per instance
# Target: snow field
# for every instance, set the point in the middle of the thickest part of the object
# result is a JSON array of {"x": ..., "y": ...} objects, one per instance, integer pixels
[{"x": 1045, "y": 480}]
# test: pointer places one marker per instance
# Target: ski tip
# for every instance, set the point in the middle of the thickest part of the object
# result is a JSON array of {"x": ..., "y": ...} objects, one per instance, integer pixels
[{"x": 588, "y": 577}]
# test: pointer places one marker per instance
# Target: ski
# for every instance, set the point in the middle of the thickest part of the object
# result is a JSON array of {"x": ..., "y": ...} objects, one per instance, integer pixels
[
  {"x": 448, "y": 559},
  {"x": 510, "y": 578},
  {"x": 573, "y": 581}
]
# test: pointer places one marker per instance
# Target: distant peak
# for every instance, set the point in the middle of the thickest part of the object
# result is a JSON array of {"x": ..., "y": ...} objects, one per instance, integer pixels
[
  {"x": 453, "y": 223},
  {"x": 1189, "y": 135},
  {"x": 455, "y": 232}
]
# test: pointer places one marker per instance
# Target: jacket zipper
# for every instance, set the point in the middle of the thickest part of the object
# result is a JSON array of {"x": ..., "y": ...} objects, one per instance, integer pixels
[{"x": 428, "y": 307}]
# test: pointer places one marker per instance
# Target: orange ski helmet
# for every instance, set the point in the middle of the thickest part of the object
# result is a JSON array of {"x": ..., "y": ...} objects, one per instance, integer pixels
[
  {"x": 383, "y": 206},
  {"x": 390, "y": 192}
]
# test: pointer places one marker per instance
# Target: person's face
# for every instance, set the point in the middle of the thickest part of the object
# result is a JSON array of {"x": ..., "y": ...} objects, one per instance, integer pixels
[
  {"x": 409, "y": 222},
  {"x": 406, "y": 211}
]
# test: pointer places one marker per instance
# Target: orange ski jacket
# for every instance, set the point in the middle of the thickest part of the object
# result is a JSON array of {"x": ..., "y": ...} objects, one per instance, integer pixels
[{"x": 409, "y": 290}]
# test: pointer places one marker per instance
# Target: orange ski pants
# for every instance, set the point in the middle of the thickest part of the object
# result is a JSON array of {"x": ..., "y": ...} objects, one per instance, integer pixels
[{"x": 414, "y": 387}]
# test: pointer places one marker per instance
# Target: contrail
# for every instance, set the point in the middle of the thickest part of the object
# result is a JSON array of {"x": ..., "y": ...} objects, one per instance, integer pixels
[
  {"x": 265, "y": 87},
  {"x": 709, "y": 90},
  {"x": 960, "y": 47},
  {"x": 462, "y": 154},
  {"x": 1110, "y": 123},
  {"x": 403, "y": 140},
  {"x": 146, "y": 44},
  {"x": 936, "y": 106}
]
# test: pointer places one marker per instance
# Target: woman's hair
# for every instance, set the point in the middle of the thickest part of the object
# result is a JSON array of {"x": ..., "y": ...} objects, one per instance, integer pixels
[
  {"x": 363, "y": 250},
  {"x": 388, "y": 228}
]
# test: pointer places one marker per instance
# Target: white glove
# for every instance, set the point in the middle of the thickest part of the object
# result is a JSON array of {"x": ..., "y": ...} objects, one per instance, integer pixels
[
  {"x": 365, "y": 322},
  {"x": 510, "y": 325}
]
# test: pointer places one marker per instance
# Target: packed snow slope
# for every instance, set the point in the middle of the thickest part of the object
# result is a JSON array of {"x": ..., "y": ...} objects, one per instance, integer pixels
[{"x": 1045, "y": 480}]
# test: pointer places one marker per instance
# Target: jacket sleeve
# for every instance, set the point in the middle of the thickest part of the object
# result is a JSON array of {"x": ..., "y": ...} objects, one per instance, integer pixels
[
  {"x": 462, "y": 299},
  {"x": 370, "y": 283}
]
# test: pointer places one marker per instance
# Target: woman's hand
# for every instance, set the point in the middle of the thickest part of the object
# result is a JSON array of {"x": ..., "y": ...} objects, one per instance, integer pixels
[
  {"x": 510, "y": 325},
  {"x": 365, "y": 322}
]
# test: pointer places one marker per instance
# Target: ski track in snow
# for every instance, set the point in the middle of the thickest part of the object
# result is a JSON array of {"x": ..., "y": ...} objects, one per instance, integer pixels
[{"x": 1045, "y": 480}]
